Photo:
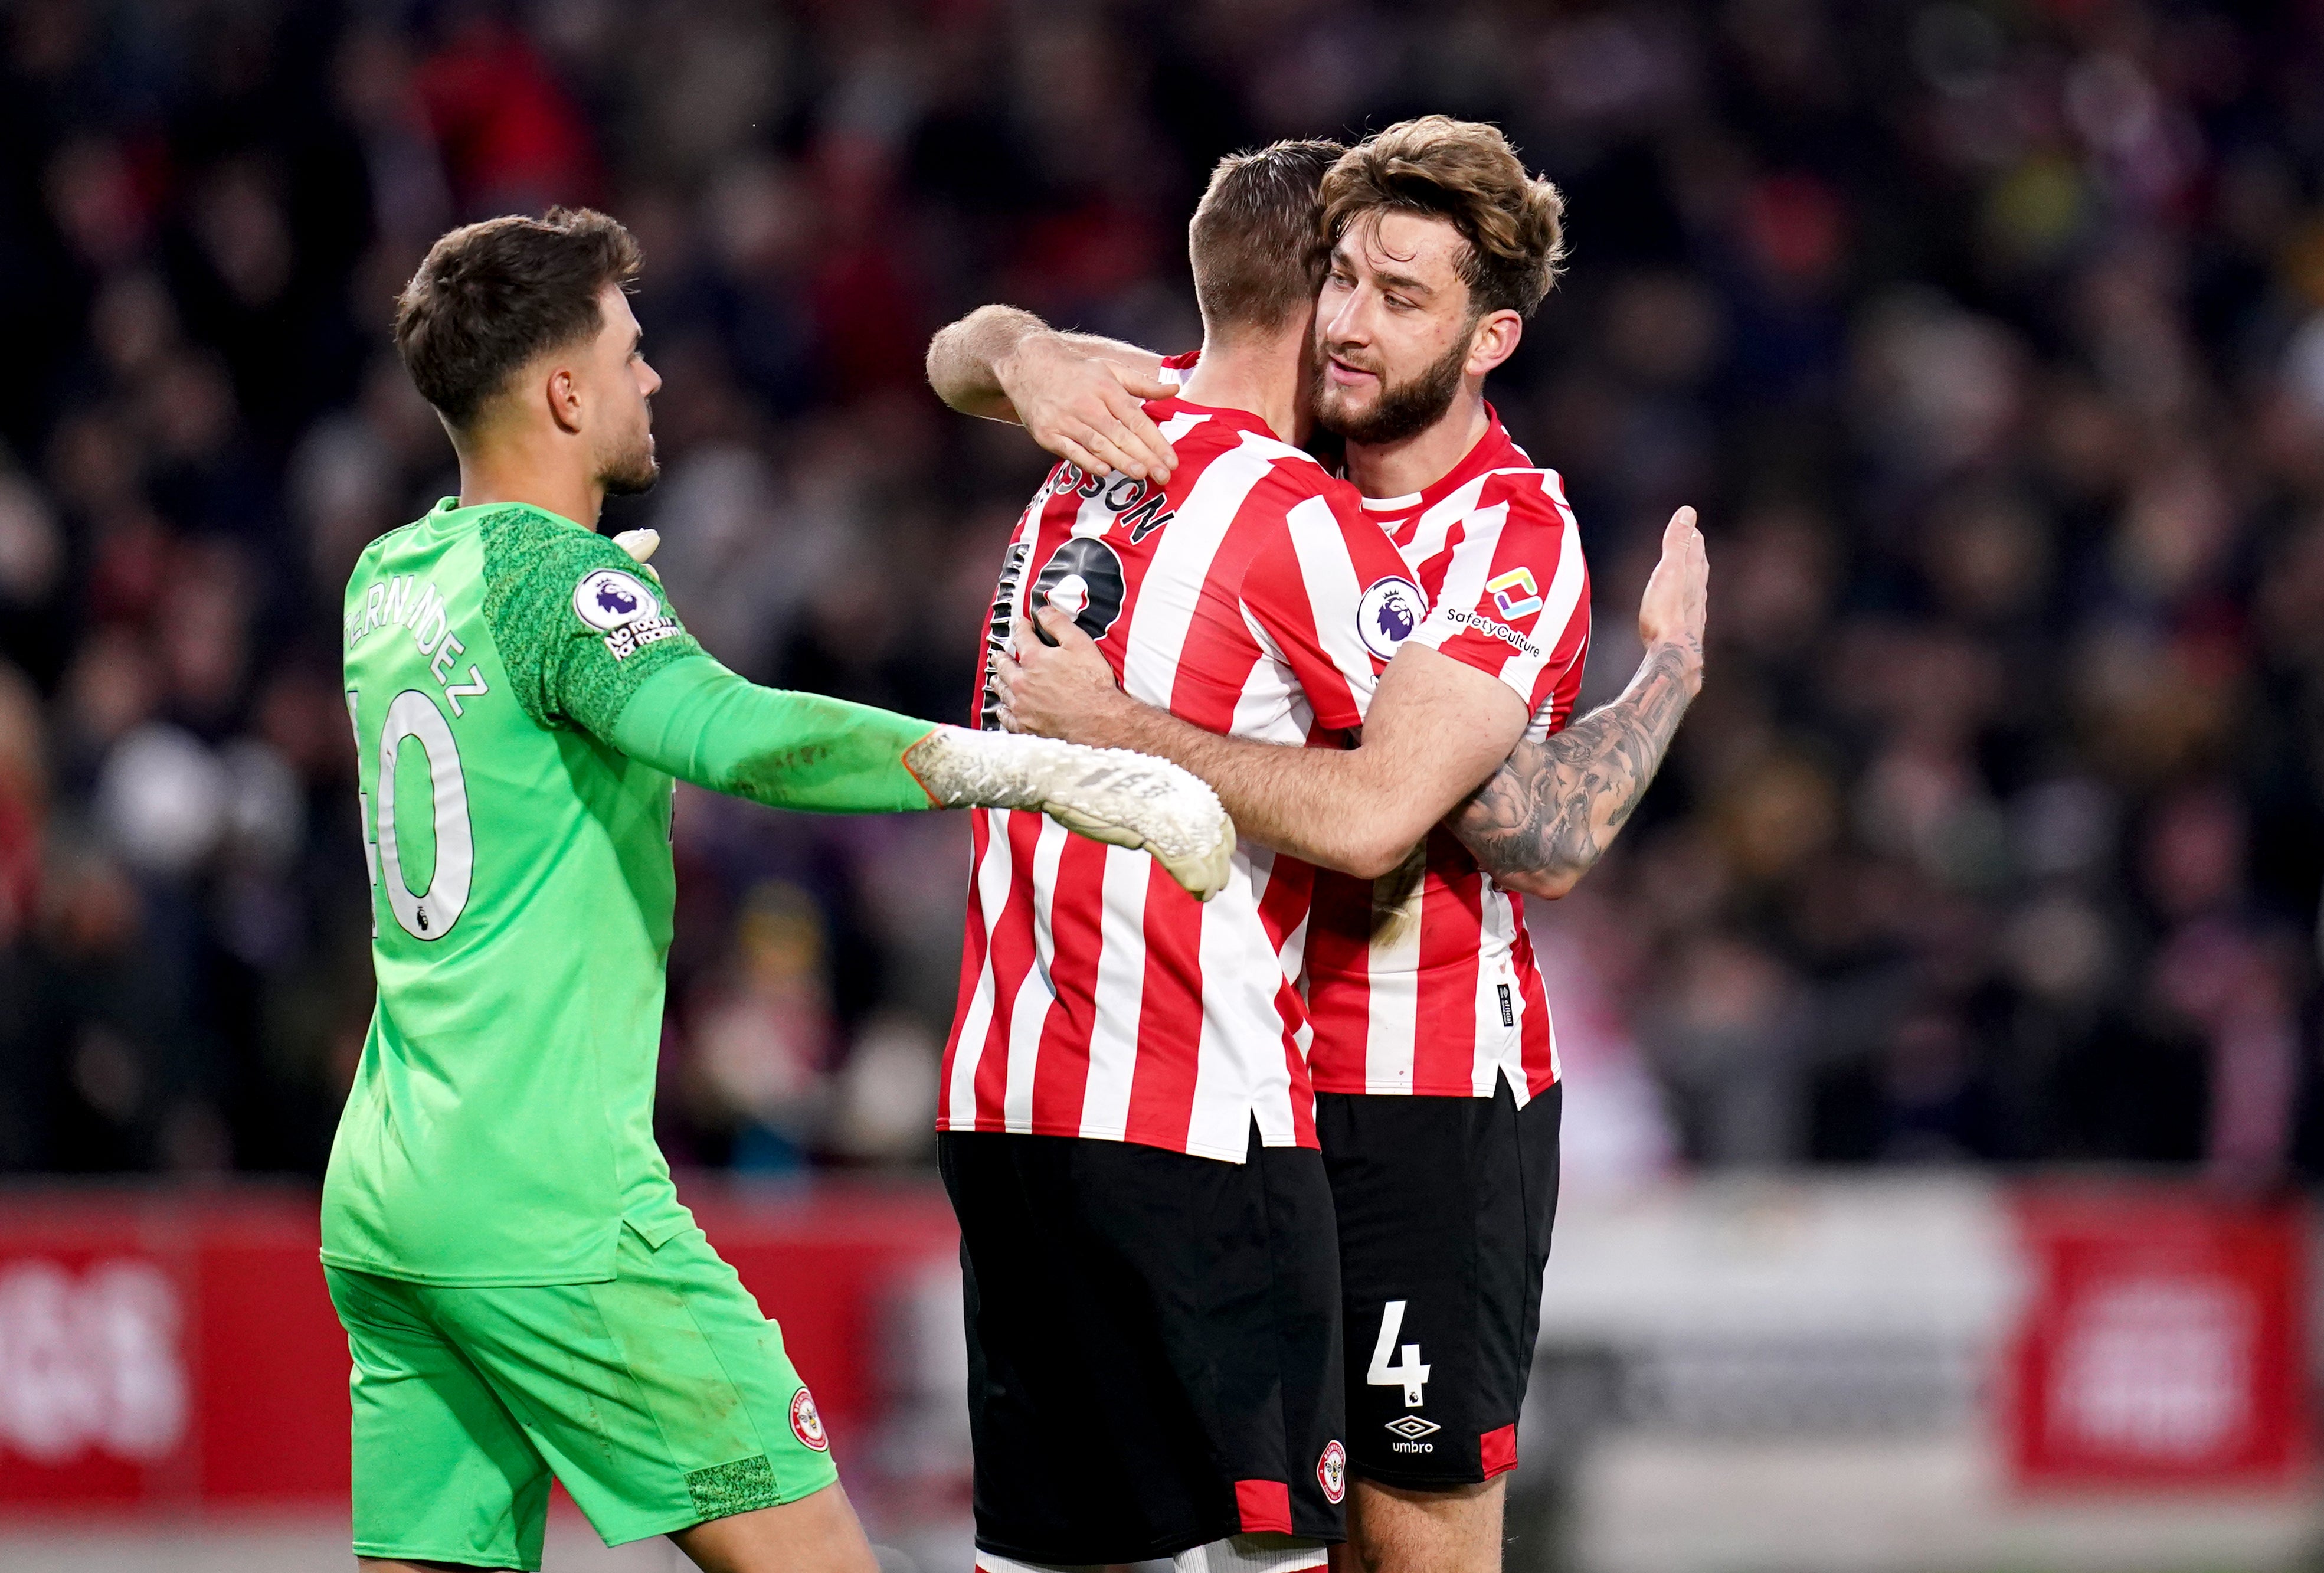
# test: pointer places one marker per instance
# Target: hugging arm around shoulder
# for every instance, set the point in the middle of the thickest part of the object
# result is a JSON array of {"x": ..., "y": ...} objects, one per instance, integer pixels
[{"x": 1436, "y": 731}]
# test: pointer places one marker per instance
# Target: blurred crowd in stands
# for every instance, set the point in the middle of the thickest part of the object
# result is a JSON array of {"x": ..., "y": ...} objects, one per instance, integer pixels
[{"x": 1989, "y": 338}]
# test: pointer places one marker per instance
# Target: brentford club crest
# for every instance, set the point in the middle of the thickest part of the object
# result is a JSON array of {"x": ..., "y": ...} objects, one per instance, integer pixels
[
  {"x": 808, "y": 1426},
  {"x": 1332, "y": 1471}
]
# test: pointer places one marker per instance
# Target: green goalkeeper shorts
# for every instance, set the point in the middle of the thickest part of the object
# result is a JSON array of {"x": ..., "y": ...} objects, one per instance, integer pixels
[{"x": 660, "y": 1399}]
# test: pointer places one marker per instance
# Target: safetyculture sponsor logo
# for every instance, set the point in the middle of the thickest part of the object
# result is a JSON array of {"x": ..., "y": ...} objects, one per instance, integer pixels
[
  {"x": 806, "y": 1425},
  {"x": 1332, "y": 1471},
  {"x": 607, "y": 598},
  {"x": 1501, "y": 631},
  {"x": 1514, "y": 593},
  {"x": 1388, "y": 614}
]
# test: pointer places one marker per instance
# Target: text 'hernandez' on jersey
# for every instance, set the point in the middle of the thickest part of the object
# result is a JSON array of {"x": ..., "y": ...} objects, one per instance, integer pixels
[{"x": 1094, "y": 999}]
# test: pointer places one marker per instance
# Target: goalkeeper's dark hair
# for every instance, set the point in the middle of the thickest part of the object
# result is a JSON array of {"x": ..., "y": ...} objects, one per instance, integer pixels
[{"x": 493, "y": 295}]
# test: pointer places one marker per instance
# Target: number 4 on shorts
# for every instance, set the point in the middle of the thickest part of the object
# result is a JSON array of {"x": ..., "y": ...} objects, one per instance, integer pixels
[{"x": 1408, "y": 1373}]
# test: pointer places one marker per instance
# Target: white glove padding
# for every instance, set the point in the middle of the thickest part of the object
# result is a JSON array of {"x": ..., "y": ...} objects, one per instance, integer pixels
[
  {"x": 1106, "y": 794},
  {"x": 641, "y": 544}
]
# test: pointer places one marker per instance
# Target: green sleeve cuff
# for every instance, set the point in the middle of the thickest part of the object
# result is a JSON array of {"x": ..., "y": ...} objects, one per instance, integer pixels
[{"x": 702, "y": 723}]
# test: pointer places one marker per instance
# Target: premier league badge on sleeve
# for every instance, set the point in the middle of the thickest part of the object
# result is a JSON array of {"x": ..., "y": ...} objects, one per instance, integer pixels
[
  {"x": 1389, "y": 613},
  {"x": 606, "y": 599},
  {"x": 619, "y": 606}
]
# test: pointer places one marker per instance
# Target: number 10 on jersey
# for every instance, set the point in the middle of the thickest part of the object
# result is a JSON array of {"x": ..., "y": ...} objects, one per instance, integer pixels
[{"x": 429, "y": 914}]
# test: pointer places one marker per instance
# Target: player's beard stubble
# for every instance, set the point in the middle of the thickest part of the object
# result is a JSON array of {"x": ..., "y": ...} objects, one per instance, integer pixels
[
  {"x": 633, "y": 470},
  {"x": 1405, "y": 409}
]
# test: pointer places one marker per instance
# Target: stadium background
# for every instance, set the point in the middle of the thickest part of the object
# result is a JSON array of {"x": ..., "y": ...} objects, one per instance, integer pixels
[{"x": 1989, "y": 338}]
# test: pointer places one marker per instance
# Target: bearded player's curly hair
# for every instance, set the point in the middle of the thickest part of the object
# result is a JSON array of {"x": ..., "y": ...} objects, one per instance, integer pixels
[
  {"x": 1463, "y": 172},
  {"x": 493, "y": 295}
]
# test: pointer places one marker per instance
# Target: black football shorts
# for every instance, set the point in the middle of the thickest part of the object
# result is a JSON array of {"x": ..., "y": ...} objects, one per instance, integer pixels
[
  {"x": 1152, "y": 1346},
  {"x": 1444, "y": 1207}
]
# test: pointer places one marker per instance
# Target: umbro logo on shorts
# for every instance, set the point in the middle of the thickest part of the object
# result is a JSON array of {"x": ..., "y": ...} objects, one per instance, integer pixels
[
  {"x": 1412, "y": 1428},
  {"x": 806, "y": 1425}
]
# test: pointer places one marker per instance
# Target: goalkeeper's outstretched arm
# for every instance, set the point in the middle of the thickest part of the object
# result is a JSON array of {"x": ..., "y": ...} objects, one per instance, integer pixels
[{"x": 704, "y": 724}]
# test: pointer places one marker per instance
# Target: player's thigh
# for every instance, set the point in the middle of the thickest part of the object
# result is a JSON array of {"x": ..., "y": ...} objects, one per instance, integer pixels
[
  {"x": 662, "y": 1399},
  {"x": 442, "y": 1471},
  {"x": 1395, "y": 1528}
]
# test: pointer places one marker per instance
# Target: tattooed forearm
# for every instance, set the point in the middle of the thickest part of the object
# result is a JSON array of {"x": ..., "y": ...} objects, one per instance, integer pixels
[{"x": 1549, "y": 812}]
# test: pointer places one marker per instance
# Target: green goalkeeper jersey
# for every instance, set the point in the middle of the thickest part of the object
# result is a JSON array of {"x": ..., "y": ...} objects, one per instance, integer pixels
[{"x": 521, "y": 693}]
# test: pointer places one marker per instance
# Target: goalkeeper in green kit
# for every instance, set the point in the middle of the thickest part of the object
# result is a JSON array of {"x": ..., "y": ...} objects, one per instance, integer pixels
[{"x": 522, "y": 1292}]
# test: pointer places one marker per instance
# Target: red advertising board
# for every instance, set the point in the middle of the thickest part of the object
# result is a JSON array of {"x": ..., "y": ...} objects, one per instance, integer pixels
[
  {"x": 2162, "y": 1342},
  {"x": 171, "y": 1351}
]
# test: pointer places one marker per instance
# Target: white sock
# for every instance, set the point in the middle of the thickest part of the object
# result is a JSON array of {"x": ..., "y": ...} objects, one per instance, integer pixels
[
  {"x": 994, "y": 1562},
  {"x": 1268, "y": 1553}
]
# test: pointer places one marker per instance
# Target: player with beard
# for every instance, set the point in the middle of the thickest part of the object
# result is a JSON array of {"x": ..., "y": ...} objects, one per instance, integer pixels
[
  {"x": 522, "y": 1291},
  {"x": 1126, "y": 1129},
  {"x": 1432, "y": 1058}
]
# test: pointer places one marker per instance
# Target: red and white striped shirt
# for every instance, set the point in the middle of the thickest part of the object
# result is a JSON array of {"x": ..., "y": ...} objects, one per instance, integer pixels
[
  {"x": 1424, "y": 981},
  {"x": 1098, "y": 999}
]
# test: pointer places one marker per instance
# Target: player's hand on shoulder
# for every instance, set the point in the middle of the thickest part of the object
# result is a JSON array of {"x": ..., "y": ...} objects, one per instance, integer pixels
[
  {"x": 1085, "y": 409},
  {"x": 1677, "y": 602}
]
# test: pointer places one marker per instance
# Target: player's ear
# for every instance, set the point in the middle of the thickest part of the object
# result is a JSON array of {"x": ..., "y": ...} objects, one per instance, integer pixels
[
  {"x": 1493, "y": 340},
  {"x": 564, "y": 394}
]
